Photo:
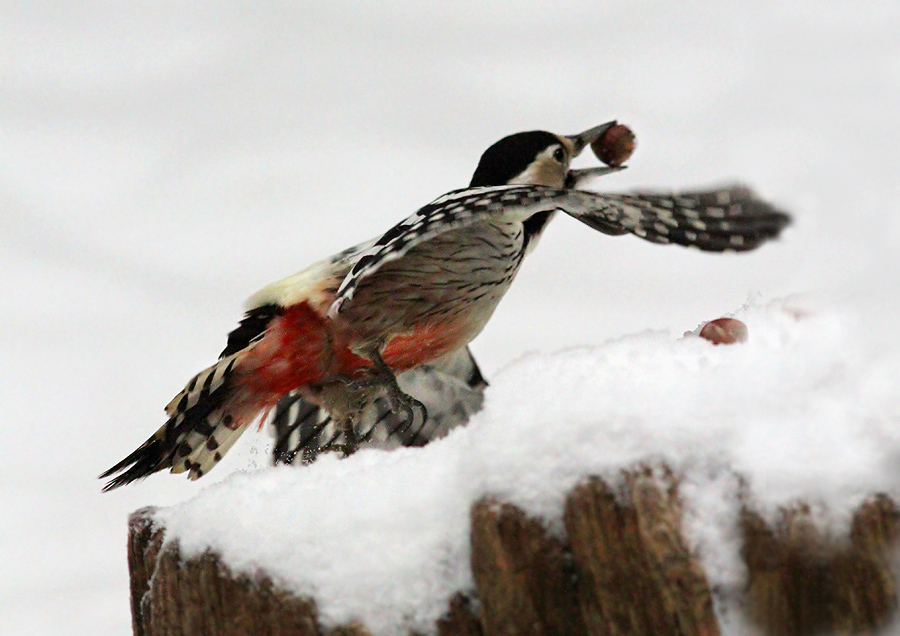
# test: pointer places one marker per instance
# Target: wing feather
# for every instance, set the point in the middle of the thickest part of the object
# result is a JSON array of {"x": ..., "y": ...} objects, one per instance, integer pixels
[
  {"x": 716, "y": 220},
  {"x": 454, "y": 210},
  {"x": 724, "y": 219}
]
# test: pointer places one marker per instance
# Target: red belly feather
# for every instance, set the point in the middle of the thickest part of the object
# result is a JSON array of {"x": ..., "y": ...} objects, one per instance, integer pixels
[
  {"x": 423, "y": 345},
  {"x": 300, "y": 348},
  {"x": 295, "y": 351}
]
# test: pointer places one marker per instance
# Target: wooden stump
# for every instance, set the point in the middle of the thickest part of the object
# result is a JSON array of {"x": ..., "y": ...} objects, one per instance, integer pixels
[
  {"x": 525, "y": 577},
  {"x": 622, "y": 568},
  {"x": 803, "y": 582},
  {"x": 639, "y": 576},
  {"x": 171, "y": 596}
]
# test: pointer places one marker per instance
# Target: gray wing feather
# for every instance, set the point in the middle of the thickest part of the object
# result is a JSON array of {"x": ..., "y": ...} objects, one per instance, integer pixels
[{"x": 717, "y": 220}]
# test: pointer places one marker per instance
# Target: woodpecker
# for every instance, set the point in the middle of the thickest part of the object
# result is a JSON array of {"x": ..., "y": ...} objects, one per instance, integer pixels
[
  {"x": 339, "y": 332},
  {"x": 451, "y": 388}
]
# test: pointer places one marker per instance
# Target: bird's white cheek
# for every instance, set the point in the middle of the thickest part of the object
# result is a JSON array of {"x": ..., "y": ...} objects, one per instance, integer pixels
[{"x": 547, "y": 173}]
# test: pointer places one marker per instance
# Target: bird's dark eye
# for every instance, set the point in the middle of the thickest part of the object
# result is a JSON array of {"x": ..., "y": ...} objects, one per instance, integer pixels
[{"x": 560, "y": 155}]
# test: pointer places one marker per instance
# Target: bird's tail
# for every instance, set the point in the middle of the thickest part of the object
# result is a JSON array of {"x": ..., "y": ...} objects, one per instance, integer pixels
[{"x": 205, "y": 420}]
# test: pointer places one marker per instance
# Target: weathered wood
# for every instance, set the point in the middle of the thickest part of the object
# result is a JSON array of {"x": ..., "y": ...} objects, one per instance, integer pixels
[
  {"x": 171, "y": 596},
  {"x": 353, "y": 629},
  {"x": 461, "y": 619},
  {"x": 525, "y": 577},
  {"x": 200, "y": 596},
  {"x": 636, "y": 575},
  {"x": 144, "y": 543},
  {"x": 802, "y": 581},
  {"x": 623, "y": 568},
  {"x": 866, "y": 598},
  {"x": 678, "y": 574}
]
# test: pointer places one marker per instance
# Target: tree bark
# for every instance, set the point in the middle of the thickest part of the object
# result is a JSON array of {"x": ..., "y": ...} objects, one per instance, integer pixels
[
  {"x": 172, "y": 596},
  {"x": 804, "y": 582},
  {"x": 525, "y": 578},
  {"x": 622, "y": 568},
  {"x": 636, "y": 574}
]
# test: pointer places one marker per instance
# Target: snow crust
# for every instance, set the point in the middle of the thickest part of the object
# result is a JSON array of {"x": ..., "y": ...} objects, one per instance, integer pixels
[{"x": 807, "y": 409}]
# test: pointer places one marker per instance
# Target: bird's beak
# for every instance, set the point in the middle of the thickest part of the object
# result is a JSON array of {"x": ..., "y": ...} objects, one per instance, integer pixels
[
  {"x": 589, "y": 136},
  {"x": 576, "y": 178}
]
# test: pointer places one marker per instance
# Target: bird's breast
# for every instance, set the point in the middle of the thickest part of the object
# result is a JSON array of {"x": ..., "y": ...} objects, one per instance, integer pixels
[{"x": 451, "y": 283}]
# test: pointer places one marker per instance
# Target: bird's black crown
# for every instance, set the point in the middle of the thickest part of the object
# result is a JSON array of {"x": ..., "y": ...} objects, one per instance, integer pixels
[{"x": 510, "y": 157}]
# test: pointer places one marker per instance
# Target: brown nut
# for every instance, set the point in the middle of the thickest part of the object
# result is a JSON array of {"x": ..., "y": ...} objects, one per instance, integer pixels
[
  {"x": 724, "y": 331},
  {"x": 615, "y": 146}
]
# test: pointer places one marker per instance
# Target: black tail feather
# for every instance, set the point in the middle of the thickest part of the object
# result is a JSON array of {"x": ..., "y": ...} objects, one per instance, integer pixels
[{"x": 168, "y": 444}]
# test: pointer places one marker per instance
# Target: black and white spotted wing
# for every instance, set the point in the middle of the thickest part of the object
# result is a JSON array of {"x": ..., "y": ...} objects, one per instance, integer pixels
[
  {"x": 456, "y": 209},
  {"x": 728, "y": 219}
]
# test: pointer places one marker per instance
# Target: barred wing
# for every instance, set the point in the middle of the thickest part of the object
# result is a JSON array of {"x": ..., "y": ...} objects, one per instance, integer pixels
[
  {"x": 454, "y": 210},
  {"x": 728, "y": 219},
  {"x": 721, "y": 220}
]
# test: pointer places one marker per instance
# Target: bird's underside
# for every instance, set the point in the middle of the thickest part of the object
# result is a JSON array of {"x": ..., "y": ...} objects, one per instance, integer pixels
[
  {"x": 359, "y": 349},
  {"x": 718, "y": 220},
  {"x": 451, "y": 389}
]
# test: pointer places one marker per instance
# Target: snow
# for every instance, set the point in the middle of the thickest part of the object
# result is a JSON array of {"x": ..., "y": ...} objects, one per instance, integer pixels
[
  {"x": 805, "y": 410},
  {"x": 794, "y": 410},
  {"x": 162, "y": 161}
]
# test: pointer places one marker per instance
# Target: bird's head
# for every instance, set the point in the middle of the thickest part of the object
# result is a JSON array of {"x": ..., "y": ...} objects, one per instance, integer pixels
[{"x": 536, "y": 157}]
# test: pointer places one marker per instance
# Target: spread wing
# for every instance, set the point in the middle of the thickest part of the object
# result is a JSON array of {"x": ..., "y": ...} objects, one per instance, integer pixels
[
  {"x": 717, "y": 220},
  {"x": 456, "y": 209}
]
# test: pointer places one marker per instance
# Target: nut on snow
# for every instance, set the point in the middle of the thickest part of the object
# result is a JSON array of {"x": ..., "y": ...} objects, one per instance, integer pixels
[
  {"x": 724, "y": 331},
  {"x": 615, "y": 146}
]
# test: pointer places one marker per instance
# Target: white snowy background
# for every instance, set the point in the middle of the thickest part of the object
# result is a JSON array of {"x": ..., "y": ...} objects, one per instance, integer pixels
[{"x": 160, "y": 161}]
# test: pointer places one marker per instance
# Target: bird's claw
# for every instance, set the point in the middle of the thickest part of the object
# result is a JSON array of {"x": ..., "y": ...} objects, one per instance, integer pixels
[{"x": 410, "y": 409}]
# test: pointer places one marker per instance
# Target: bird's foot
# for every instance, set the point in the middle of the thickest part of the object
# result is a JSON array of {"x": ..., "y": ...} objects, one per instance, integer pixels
[{"x": 381, "y": 382}]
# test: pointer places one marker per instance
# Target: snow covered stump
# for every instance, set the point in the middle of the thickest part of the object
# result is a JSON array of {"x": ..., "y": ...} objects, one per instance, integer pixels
[
  {"x": 171, "y": 595},
  {"x": 625, "y": 568},
  {"x": 648, "y": 485},
  {"x": 802, "y": 581}
]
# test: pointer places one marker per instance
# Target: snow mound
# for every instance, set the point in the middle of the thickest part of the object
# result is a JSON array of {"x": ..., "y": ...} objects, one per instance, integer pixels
[{"x": 806, "y": 409}]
